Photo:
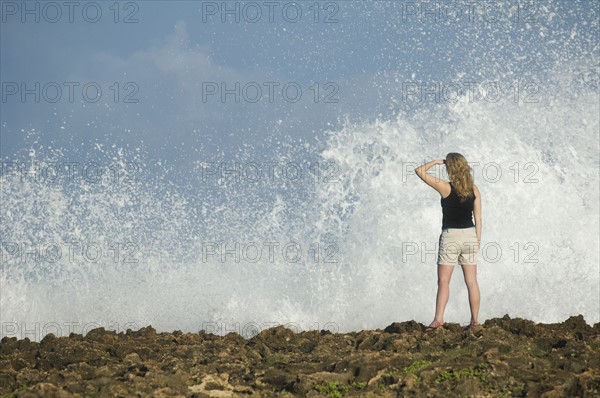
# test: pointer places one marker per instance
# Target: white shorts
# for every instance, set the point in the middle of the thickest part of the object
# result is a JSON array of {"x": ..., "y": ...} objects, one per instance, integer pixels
[{"x": 458, "y": 244}]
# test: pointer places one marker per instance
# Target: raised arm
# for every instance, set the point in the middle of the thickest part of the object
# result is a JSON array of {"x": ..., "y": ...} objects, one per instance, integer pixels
[{"x": 430, "y": 180}]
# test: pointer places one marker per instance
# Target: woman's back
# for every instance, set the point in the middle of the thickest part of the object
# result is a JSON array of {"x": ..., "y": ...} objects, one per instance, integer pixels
[{"x": 457, "y": 214}]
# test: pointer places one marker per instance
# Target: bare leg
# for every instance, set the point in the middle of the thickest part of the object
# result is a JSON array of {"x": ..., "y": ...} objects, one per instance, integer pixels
[
  {"x": 443, "y": 293},
  {"x": 470, "y": 273}
]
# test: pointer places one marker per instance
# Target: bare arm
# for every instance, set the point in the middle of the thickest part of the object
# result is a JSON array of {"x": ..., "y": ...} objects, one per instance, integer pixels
[
  {"x": 477, "y": 213},
  {"x": 432, "y": 181}
]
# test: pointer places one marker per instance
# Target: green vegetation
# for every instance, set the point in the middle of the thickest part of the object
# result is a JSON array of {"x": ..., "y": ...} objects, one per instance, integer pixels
[
  {"x": 479, "y": 372},
  {"x": 275, "y": 359},
  {"x": 359, "y": 385},
  {"x": 460, "y": 352},
  {"x": 516, "y": 391},
  {"x": 333, "y": 389},
  {"x": 538, "y": 351},
  {"x": 13, "y": 394},
  {"x": 415, "y": 366},
  {"x": 336, "y": 389},
  {"x": 594, "y": 344}
]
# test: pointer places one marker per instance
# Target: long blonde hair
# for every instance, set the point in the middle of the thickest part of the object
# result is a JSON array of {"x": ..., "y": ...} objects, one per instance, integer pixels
[{"x": 459, "y": 173}]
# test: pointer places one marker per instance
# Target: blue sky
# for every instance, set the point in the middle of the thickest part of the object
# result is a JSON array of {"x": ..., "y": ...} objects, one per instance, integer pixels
[
  {"x": 365, "y": 53},
  {"x": 369, "y": 209}
]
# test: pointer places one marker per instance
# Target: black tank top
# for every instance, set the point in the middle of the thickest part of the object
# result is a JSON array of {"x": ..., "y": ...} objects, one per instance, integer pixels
[{"x": 457, "y": 214}]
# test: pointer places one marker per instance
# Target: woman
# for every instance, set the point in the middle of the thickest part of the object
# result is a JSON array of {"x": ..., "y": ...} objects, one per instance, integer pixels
[{"x": 460, "y": 238}]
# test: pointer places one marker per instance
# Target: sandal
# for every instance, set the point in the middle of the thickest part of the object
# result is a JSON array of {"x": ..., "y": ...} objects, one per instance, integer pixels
[
  {"x": 472, "y": 325},
  {"x": 434, "y": 325}
]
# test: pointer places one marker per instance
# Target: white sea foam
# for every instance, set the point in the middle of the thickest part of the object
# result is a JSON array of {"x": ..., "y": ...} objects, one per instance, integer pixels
[{"x": 542, "y": 212}]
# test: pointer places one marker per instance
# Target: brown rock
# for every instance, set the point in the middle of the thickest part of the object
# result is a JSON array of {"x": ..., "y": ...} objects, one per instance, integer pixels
[
  {"x": 404, "y": 327},
  {"x": 46, "y": 390},
  {"x": 518, "y": 357}
]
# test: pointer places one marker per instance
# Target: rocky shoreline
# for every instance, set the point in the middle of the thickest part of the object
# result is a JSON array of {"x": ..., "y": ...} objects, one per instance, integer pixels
[{"x": 502, "y": 357}]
